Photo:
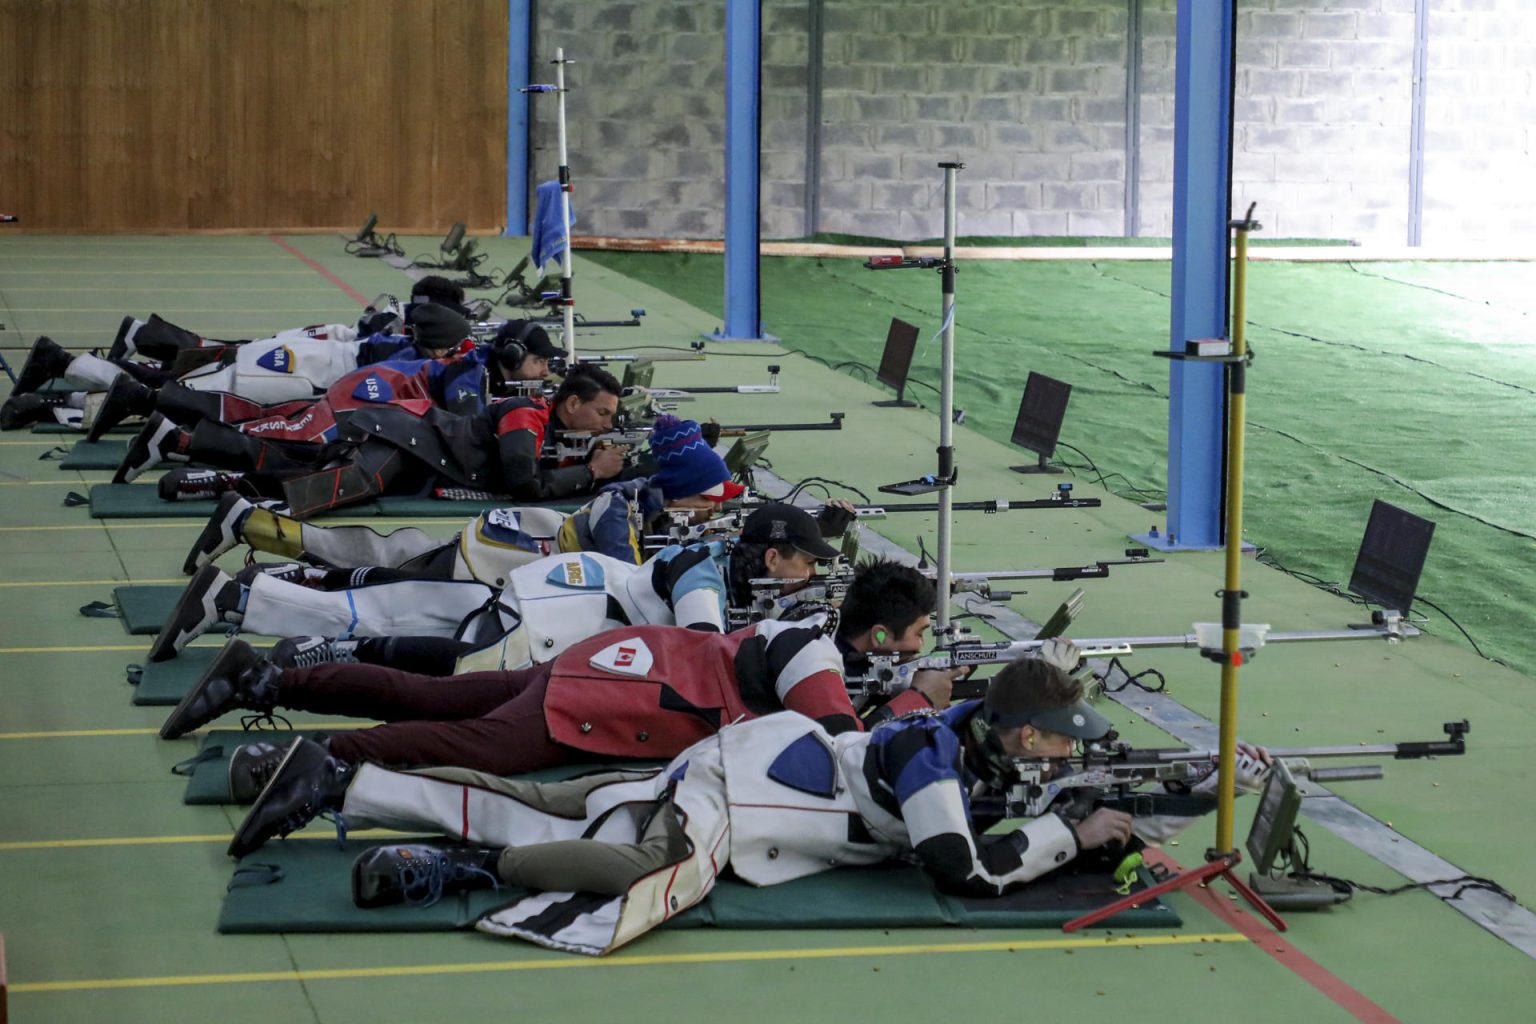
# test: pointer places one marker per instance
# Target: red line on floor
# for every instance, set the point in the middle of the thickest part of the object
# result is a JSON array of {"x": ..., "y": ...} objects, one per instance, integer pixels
[
  {"x": 1348, "y": 998},
  {"x": 352, "y": 293}
]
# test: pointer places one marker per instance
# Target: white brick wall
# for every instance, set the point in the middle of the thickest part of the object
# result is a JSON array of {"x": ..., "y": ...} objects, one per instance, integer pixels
[{"x": 1030, "y": 94}]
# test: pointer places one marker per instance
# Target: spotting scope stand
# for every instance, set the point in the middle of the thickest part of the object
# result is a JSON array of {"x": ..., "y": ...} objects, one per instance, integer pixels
[{"x": 943, "y": 480}]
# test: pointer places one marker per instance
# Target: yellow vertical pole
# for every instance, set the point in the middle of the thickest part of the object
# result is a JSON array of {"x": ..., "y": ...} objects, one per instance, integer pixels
[{"x": 1232, "y": 593}]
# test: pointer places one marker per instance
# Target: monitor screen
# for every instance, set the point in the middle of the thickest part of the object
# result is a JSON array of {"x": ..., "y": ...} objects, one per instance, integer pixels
[
  {"x": 1391, "y": 557},
  {"x": 896, "y": 360},
  {"x": 1274, "y": 819},
  {"x": 1041, "y": 411}
]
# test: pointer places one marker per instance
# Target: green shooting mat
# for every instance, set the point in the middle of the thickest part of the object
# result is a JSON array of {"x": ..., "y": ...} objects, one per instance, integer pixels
[
  {"x": 304, "y": 886},
  {"x": 144, "y": 608},
  {"x": 164, "y": 683}
]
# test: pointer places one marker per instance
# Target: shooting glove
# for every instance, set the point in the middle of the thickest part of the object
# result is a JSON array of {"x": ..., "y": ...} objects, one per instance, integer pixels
[
  {"x": 710, "y": 432},
  {"x": 1251, "y": 776},
  {"x": 834, "y": 520},
  {"x": 1062, "y": 653}
]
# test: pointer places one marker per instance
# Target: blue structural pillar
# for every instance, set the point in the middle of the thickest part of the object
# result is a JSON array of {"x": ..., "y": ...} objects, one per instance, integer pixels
[
  {"x": 1202, "y": 188},
  {"x": 519, "y": 56},
  {"x": 743, "y": 88}
]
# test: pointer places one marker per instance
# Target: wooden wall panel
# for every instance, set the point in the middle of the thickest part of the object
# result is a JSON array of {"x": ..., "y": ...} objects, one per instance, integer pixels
[{"x": 166, "y": 115}]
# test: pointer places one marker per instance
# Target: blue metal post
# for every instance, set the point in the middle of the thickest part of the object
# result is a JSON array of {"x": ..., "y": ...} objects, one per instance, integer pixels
[
  {"x": 743, "y": 45},
  {"x": 1202, "y": 189},
  {"x": 519, "y": 55}
]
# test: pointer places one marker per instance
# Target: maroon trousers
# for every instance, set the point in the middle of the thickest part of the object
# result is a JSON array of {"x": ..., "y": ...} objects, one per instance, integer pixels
[{"x": 489, "y": 721}]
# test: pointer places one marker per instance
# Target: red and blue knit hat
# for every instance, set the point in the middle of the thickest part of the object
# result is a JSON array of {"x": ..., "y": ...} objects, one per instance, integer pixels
[{"x": 688, "y": 465}]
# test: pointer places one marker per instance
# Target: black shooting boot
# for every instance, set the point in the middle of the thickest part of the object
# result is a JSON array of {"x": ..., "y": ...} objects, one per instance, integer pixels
[
  {"x": 46, "y": 361},
  {"x": 157, "y": 441},
  {"x": 307, "y": 783},
  {"x": 239, "y": 678},
  {"x": 251, "y": 767},
  {"x": 210, "y": 597},
  {"x": 220, "y": 534},
  {"x": 159, "y": 339},
  {"x": 196, "y": 484},
  {"x": 122, "y": 345},
  {"x": 307, "y": 651},
  {"x": 421, "y": 874},
  {"x": 126, "y": 397},
  {"x": 24, "y": 410}
]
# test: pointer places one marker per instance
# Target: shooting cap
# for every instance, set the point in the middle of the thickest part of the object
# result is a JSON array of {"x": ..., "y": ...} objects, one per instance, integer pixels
[
  {"x": 1018, "y": 696},
  {"x": 777, "y": 523},
  {"x": 688, "y": 465},
  {"x": 436, "y": 327}
]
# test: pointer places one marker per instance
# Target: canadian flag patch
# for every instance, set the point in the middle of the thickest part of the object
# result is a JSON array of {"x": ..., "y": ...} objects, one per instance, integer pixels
[{"x": 625, "y": 658}]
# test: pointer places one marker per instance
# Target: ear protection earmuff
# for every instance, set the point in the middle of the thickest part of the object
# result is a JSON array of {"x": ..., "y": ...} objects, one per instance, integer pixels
[
  {"x": 515, "y": 351},
  {"x": 880, "y": 636}
]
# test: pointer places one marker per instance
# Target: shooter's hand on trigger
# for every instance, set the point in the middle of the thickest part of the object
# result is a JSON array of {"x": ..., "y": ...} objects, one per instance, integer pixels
[
  {"x": 607, "y": 461},
  {"x": 1102, "y": 827},
  {"x": 938, "y": 684}
]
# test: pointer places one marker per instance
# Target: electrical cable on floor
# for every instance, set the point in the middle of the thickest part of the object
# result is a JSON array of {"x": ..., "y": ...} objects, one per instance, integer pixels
[
  {"x": 822, "y": 482},
  {"x": 1132, "y": 680},
  {"x": 1102, "y": 478},
  {"x": 1347, "y": 886},
  {"x": 1331, "y": 587}
]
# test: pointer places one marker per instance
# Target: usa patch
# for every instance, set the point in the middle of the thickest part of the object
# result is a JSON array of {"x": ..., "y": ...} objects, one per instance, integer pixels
[
  {"x": 278, "y": 360},
  {"x": 373, "y": 389}
]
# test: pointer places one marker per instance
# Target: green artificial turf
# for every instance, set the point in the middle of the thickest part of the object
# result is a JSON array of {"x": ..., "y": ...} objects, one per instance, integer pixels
[{"x": 1410, "y": 382}]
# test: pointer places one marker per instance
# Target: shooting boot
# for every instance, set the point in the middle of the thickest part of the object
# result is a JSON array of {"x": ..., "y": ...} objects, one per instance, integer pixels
[
  {"x": 221, "y": 533},
  {"x": 210, "y": 598},
  {"x": 46, "y": 361},
  {"x": 239, "y": 678},
  {"x": 197, "y": 484},
  {"x": 421, "y": 874},
  {"x": 23, "y": 410},
  {"x": 307, "y": 651},
  {"x": 251, "y": 766},
  {"x": 160, "y": 439},
  {"x": 122, "y": 344},
  {"x": 306, "y": 783},
  {"x": 126, "y": 397},
  {"x": 161, "y": 340}
]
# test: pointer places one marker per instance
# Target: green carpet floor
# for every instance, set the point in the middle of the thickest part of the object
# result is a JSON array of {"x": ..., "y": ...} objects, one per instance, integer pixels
[{"x": 1413, "y": 383}]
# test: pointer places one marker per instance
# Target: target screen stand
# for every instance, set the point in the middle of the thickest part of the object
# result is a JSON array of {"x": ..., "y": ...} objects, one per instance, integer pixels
[{"x": 1223, "y": 857}]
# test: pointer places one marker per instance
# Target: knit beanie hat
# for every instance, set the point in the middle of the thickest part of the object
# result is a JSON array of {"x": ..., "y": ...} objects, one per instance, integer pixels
[
  {"x": 688, "y": 465},
  {"x": 437, "y": 327}
]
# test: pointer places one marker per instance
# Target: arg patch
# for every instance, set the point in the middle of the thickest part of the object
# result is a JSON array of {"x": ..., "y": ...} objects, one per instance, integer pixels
[
  {"x": 580, "y": 573},
  {"x": 373, "y": 388},
  {"x": 277, "y": 360},
  {"x": 625, "y": 658}
]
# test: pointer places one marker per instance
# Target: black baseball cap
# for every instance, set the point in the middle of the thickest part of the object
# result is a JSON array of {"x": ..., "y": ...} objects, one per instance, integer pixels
[
  {"x": 778, "y": 523},
  {"x": 534, "y": 339}
]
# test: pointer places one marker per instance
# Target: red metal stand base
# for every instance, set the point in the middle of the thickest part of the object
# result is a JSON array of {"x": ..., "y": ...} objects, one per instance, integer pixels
[{"x": 1218, "y": 865}]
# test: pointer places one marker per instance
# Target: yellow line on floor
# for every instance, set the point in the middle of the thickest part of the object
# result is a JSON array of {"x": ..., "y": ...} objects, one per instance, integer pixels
[
  {"x": 76, "y": 844},
  {"x": 65, "y": 734},
  {"x": 179, "y": 309},
  {"x": 94, "y": 583},
  {"x": 141, "y": 648},
  {"x": 627, "y": 960}
]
